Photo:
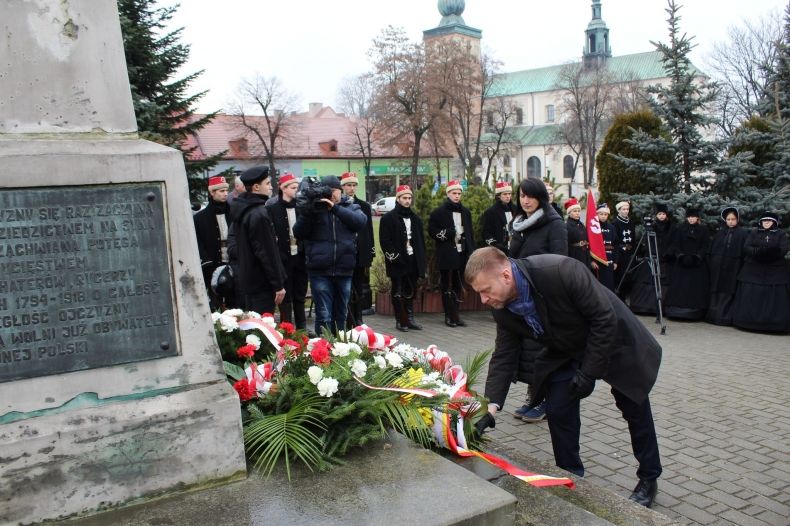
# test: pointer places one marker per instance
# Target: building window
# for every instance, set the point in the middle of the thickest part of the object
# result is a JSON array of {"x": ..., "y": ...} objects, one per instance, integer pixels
[
  {"x": 567, "y": 167},
  {"x": 519, "y": 116},
  {"x": 490, "y": 118},
  {"x": 533, "y": 167},
  {"x": 550, "y": 113}
]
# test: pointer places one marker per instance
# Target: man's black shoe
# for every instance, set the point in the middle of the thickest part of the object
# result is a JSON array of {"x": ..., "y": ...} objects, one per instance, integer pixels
[
  {"x": 645, "y": 492},
  {"x": 368, "y": 312},
  {"x": 449, "y": 321}
]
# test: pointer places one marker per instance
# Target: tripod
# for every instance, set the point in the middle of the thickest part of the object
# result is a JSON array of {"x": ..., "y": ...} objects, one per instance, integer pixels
[{"x": 655, "y": 270}]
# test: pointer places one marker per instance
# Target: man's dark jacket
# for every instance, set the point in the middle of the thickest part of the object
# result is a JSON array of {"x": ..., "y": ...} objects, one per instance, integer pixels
[
  {"x": 208, "y": 236},
  {"x": 366, "y": 249},
  {"x": 583, "y": 322},
  {"x": 330, "y": 238},
  {"x": 392, "y": 236},
  {"x": 442, "y": 229},
  {"x": 252, "y": 244}
]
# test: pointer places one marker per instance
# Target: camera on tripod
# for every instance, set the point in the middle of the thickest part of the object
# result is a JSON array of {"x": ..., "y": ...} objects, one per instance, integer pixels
[
  {"x": 311, "y": 191},
  {"x": 649, "y": 222}
]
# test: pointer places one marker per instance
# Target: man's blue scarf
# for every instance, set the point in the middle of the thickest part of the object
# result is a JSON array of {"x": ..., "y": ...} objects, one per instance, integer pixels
[{"x": 524, "y": 305}]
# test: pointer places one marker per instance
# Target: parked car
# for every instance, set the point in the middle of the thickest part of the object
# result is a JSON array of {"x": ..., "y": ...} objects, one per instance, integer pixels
[{"x": 383, "y": 205}]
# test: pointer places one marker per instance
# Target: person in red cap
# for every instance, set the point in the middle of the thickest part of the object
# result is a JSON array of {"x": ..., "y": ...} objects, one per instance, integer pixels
[
  {"x": 361, "y": 296},
  {"x": 211, "y": 227},
  {"x": 578, "y": 246},
  {"x": 403, "y": 244},
  {"x": 450, "y": 225},
  {"x": 497, "y": 218},
  {"x": 283, "y": 214}
]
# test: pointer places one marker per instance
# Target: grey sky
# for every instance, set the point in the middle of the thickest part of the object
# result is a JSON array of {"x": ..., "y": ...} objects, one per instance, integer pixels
[{"x": 311, "y": 45}]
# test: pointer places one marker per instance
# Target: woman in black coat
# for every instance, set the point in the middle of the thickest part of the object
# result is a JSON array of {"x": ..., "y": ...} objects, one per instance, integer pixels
[
  {"x": 578, "y": 246},
  {"x": 536, "y": 229},
  {"x": 642, "y": 299},
  {"x": 497, "y": 217},
  {"x": 725, "y": 261},
  {"x": 762, "y": 301},
  {"x": 403, "y": 244},
  {"x": 687, "y": 299},
  {"x": 450, "y": 225}
]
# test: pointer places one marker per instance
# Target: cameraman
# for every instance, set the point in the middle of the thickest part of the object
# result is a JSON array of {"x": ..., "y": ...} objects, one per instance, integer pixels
[{"x": 328, "y": 224}]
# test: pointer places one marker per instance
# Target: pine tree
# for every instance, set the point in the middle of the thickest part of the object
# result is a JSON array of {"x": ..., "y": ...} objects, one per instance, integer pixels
[
  {"x": 165, "y": 113},
  {"x": 681, "y": 106},
  {"x": 613, "y": 175}
]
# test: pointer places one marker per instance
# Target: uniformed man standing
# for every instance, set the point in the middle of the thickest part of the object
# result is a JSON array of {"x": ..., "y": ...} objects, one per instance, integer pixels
[
  {"x": 211, "y": 227},
  {"x": 360, "y": 282}
]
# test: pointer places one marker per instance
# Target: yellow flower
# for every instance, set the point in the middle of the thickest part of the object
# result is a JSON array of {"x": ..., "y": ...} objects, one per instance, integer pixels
[{"x": 410, "y": 378}]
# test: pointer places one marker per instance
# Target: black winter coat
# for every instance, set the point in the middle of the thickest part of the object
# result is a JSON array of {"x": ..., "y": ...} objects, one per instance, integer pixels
[
  {"x": 366, "y": 244},
  {"x": 330, "y": 238},
  {"x": 392, "y": 236},
  {"x": 765, "y": 261},
  {"x": 442, "y": 229},
  {"x": 278, "y": 212},
  {"x": 208, "y": 236},
  {"x": 689, "y": 272},
  {"x": 546, "y": 235},
  {"x": 578, "y": 247},
  {"x": 252, "y": 246},
  {"x": 494, "y": 219},
  {"x": 726, "y": 259},
  {"x": 584, "y": 323},
  {"x": 610, "y": 242}
]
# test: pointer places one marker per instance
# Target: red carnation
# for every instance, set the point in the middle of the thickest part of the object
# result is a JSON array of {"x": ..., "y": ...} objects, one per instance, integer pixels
[
  {"x": 287, "y": 328},
  {"x": 246, "y": 351},
  {"x": 320, "y": 352},
  {"x": 305, "y": 339},
  {"x": 246, "y": 389},
  {"x": 267, "y": 315},
  {"x": 290, "y": 345}
]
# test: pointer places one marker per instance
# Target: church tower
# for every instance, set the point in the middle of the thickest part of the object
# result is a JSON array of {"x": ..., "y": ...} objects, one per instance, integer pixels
[
  {"x": 596, "y": 43},
  {"x": 452, "y": 26}
]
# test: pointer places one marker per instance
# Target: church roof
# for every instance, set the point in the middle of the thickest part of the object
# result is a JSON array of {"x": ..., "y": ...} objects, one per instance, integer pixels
[{"x": 637, "y": 66}]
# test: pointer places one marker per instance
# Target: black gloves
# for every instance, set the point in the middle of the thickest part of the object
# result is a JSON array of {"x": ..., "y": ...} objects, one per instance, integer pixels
[
  {"x": 485, "y": 422},
  {"x": 581, "y": 385}
]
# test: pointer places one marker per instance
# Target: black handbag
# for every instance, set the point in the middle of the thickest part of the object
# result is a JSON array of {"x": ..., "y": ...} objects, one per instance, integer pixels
[{"x": 222, "y": 281}]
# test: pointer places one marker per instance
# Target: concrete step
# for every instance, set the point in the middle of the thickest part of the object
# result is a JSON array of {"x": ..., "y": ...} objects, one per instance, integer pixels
[{"x": 390, "y": 482}]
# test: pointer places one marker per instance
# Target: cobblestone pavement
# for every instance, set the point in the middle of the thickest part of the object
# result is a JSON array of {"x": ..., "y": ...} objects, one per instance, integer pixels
[{"x": 721, "y": 412}]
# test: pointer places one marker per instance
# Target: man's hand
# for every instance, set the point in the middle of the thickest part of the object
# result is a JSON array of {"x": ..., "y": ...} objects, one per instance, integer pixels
[
  {"x": 581, "y": 385},
  {"x": 329, "y": 202},
  {"x": 279, "y": 296}
]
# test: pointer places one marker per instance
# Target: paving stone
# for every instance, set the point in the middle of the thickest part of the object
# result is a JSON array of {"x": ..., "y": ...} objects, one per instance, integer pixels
[{"x": 742, "y": 519}]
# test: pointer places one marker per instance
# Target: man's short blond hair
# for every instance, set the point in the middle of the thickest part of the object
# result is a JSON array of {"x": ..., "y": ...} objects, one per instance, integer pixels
[{"x": 484, "y": 260}]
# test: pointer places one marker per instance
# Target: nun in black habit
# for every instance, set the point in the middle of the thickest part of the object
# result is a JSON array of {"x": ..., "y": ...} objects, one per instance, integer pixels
[
  {"x": 725, "y": 261},
  {"x": 687, "y": 298},
  {"x": 762, "y": 301}
]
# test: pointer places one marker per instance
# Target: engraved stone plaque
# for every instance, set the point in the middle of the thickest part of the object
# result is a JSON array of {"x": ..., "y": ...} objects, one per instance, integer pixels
[{"x": 84, "y": 279}]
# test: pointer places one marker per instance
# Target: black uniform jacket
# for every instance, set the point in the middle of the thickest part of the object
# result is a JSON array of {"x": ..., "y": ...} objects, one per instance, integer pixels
[
  {"x": 392, "y": 235},
  {"x": 442, "y": 228},
  {"x": 278, "y": 212},
  {"x": 583, "y": 322},
  {"x": 366, "y": 247},
  {"x": 252, "y": 243},
  {"x": 495, "y": 222},
  {"x": 208, "y": 236}
]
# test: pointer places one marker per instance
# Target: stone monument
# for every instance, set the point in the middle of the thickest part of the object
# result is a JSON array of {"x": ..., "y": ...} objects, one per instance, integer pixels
[{"x": 111, "y": 384}]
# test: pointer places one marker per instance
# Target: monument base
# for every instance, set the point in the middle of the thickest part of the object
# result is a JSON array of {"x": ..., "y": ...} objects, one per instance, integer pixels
[{"x": 93, "y": 454}]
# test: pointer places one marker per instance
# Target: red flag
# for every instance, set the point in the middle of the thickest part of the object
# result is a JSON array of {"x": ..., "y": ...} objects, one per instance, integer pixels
[{"x": 594, "y": 235}]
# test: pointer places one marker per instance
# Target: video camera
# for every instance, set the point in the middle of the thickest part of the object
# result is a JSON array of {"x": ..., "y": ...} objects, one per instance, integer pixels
[
  {"x": 649, "y": 222},
  {"x": 311, "y": 191}
]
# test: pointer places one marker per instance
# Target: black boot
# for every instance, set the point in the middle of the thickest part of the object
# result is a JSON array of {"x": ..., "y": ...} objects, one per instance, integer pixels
[
  {"x": 285, "y": 312},
  {"x": 413, "y": 325},
  {"x": 447, "y": 303},
  {"x": 401, "y": 319},
  {"x": 456, "y": 307}
]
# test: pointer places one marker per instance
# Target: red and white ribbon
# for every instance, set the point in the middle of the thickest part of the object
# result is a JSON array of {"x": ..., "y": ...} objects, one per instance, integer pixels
[{"x": 272, "y": 335}]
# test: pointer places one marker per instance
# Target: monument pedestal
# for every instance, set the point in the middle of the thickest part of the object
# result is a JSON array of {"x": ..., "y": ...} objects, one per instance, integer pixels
[{"x": 111, "y": 385}]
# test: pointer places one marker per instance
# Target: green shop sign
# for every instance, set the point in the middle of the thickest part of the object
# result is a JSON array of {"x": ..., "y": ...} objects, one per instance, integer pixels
[
  {"x": 310, "y": 171},
  {"x": 398, "y": 169}
]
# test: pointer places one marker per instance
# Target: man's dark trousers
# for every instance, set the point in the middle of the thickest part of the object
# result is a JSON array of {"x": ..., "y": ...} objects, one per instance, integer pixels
[{"x": 562, "y": 413}]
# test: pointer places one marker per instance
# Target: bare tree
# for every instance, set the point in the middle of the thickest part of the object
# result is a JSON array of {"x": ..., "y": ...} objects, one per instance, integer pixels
[
  {"x": 500, "y": 116},
  {"x": 406, "y": 103},
  {"x": 741, "y": 65},
  {"x": 587, "y": 93},
  {"x": 262, "y": 110},
  {"x": 356, "y": 99}
]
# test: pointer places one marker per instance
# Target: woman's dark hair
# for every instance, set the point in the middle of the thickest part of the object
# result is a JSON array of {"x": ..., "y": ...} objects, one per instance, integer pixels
[{"x": 534, "y": 188}]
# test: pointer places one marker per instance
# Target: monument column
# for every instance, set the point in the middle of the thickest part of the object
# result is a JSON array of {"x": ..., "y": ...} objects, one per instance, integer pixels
[{"x": 111, "y": 383}]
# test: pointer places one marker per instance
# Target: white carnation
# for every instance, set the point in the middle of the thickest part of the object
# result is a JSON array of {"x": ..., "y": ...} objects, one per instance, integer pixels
[
  {"x": 341, "y": 349},
  {"x": 228, "y": 323},
  {"x": 359, "y": 368},
  {"x": 215, "y": 316},
  {"x": 394, "y": 360},
  {"x": 355, "y": 348},
  {"x": 430, "y": 378},
  {"x": 269, "y": 320},
  {"x": 315, "y": 373},
  {"x": 253, "y": 314},
  {"x": 233, "y": 312},
  {"x": 327, "y": 387},
  {"x": 380, "y": 361},
  {"x": 254, "y": 341}
]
